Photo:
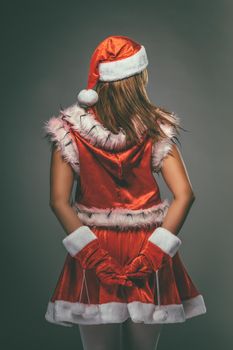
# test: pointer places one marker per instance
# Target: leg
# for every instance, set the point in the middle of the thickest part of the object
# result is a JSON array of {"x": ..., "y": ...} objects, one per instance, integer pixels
[
  {"x": 140, "y": 336},
  {"x": 100, "y": 336}
]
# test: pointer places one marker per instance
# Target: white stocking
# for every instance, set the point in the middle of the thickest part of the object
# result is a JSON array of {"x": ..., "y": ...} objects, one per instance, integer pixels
[
  {"x": 140, "y": 336},
  {"x": 100, "y": 337},
  {"x": 116, "y": 336}
]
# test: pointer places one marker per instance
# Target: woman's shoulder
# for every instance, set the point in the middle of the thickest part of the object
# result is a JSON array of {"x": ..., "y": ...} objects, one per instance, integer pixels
[
  {"x": 169, "y": 123},
  {"x": 58, "y": 130}
]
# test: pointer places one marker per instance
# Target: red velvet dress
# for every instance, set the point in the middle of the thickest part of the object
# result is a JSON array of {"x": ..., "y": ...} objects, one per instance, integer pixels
[{"x": 118, "y": 197}]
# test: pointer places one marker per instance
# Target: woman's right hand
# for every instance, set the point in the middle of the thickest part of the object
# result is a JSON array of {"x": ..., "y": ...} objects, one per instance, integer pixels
[
  {"x": 111, "y": 273},
  {"x": 138, "y": 268}
]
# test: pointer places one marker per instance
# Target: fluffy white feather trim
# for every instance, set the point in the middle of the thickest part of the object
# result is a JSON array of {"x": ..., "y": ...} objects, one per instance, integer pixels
[
  {"x": 122, "y": 217},
  {"x": 163, "y": 147},
  {"x": 57, "y": 130}
]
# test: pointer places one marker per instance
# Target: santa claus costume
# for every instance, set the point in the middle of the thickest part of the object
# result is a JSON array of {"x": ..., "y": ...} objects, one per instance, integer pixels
[{"x": 119, "y": 203}]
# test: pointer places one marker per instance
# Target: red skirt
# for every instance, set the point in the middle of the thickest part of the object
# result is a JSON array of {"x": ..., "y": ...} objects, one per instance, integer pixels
[{"x": 167, "y": 296}]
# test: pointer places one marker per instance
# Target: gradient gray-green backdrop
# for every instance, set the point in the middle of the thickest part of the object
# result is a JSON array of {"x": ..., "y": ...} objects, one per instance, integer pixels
[{"x": 45, "y": 53}]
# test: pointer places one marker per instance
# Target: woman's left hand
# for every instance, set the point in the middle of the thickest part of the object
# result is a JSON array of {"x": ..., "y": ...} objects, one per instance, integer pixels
[{"x": 138, "y": 268}]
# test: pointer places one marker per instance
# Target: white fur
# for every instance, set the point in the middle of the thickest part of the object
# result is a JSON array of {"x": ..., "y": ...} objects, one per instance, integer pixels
[
  {"x": 87, "y": 97},
  {"x": 91, "y": 129},
  {"x": 124, "y": 68},
  {"x": 165, "y": 240},
  {"x": 168, "y": 129},
  {"x": 96, "y": 133},
  {"x": 78, "y": 239},
  {"x": 67, "y": 313},
  {"x": 162, "y": 148},
  {"x": 122, "y": 217},
  {"x": 57, "y": 130}
]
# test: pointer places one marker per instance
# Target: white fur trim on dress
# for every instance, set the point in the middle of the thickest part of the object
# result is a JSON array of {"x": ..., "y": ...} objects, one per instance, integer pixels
[
  {"x": 124, "y": 68},
  {"x": 165, "y": 240},
  {"x": 57, "y": 130},
  {"x": 91, "y": 129},
  {"x": 163, "y": 147},
  {"x": 122, "y": 217},
  {"x": 78, "y": 239},
  {"x": 67, "y": 313},
  {"x": 95, "y": 132},
  {"x": 160, "y": 150}
]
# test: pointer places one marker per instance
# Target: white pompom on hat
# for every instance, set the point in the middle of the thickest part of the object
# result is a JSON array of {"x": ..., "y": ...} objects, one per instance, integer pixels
[{"x": 116, "y": 57}]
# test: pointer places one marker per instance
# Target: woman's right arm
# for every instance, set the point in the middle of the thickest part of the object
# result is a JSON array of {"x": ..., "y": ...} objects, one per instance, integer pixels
[
  {"x": 61, "y": 184},
  {"x": 176, "y": 177}
]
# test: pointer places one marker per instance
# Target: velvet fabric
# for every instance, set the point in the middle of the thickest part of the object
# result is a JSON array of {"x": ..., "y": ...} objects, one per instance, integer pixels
[
  {"x": 93, "y": 256},
  {"x": 115, "y": 180},
  {"x": 174, "y": 280},
  {"x": 124, "y": 178}
]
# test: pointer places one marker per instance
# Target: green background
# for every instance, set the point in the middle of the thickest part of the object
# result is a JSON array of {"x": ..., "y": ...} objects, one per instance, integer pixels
[{"x": 45, "y": 53}]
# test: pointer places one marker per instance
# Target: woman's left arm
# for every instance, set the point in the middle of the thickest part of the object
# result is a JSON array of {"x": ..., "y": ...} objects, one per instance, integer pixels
[
  {"x": 176, "y": 177},
  {"x": 61, "y": 184}
]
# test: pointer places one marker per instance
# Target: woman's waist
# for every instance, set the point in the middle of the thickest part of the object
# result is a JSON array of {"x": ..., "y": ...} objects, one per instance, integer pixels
[{"x": 122, "y": 217}]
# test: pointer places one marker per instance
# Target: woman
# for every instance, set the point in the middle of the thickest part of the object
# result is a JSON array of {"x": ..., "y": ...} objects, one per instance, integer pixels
[{"x": 123, "y": 277}]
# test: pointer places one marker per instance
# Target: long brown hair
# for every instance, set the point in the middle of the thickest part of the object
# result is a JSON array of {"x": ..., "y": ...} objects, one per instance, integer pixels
[{"x": 124, "y": 105}]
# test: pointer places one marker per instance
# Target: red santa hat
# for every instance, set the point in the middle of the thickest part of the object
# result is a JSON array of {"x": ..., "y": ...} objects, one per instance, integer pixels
[{"x": 116, "y": 57}]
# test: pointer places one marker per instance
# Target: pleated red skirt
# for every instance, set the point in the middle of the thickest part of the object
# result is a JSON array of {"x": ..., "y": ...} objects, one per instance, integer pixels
[{"x": 168, "y": 296}]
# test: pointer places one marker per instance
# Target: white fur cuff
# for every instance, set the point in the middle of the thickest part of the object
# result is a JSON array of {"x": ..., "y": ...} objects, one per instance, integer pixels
[
  {"x": 78, "y": 239},
  {"x": 165, "y": 240}
]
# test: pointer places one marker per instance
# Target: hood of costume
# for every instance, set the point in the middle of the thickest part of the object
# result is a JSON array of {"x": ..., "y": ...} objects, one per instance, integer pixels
[{"x": 116, "y": 185}]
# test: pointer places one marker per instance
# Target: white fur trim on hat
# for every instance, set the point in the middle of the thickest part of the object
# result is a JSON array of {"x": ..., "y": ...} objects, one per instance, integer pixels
[
  {"x": 115, "y": 70},
  {"x": 165, "y": 240}
]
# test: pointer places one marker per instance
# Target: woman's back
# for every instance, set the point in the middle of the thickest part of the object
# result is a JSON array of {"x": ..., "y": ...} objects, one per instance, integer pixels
[
  {"x": 123, "y": 174},
  {"x": 118, "y": 225}
]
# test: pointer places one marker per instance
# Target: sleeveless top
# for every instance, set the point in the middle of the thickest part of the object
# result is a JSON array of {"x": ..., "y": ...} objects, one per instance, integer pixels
[{"x": 116, "y": 186}]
